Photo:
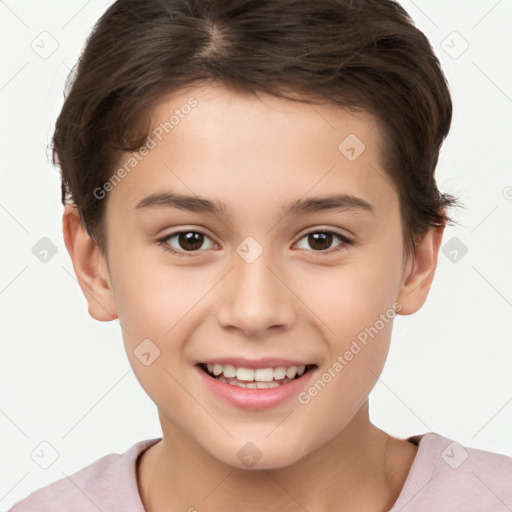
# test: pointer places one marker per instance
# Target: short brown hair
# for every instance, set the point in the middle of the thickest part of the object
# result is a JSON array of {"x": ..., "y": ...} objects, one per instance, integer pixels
[{"x": 362, "y": 55}]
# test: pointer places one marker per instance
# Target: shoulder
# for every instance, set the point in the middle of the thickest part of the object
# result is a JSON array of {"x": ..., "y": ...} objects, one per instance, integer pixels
[
  {"x": 446, "y": 475},
  {"x": 94, "y": 487}
]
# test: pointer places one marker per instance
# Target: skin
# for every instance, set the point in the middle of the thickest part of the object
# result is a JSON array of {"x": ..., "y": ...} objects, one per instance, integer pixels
[{"x": 255, "y": 154}]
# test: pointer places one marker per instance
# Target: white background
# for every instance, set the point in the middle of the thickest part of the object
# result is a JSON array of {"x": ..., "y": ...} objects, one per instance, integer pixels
[{"x": 65, "y": 378}]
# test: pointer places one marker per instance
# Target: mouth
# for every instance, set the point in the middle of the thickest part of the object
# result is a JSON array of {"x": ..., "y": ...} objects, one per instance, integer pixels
[{"x": 259, "y": 378}]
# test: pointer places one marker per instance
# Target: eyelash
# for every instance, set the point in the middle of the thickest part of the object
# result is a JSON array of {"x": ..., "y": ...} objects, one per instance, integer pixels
[{"x": 163, "y": 242}]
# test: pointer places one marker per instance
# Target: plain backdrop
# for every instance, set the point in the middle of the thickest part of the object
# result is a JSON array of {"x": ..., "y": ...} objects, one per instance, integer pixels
[{"x": 65, "y": 378}]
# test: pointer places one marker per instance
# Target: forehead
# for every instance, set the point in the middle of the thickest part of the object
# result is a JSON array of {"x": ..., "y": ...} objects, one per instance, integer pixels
[{"x": 250, "y": 152}]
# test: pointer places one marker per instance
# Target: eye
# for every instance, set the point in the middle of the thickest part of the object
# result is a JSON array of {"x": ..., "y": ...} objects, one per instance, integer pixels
[
  {"x": 321, "y": 241},
  {"x": 187, "y": 241}
]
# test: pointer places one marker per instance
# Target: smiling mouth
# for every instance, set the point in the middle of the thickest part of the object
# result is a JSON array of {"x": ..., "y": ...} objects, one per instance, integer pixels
[{"x": 268, "y": 378}]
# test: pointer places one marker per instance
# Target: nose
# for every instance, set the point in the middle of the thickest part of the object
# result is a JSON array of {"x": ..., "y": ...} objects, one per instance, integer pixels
[{"x": 254, "y": 298}]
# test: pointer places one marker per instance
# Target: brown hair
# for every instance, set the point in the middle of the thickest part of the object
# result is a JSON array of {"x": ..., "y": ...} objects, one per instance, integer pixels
[{"x": 362, "y": 55}]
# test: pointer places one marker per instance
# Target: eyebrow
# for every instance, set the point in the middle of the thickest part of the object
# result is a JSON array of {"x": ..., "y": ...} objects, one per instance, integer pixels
[{"x": 334, "y": 202}]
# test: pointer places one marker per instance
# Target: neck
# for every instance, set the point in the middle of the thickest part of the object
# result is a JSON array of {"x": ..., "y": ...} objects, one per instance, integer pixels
[{"x": 362, "y": 468}]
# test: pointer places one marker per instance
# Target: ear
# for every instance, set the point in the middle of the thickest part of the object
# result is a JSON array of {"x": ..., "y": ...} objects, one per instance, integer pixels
[
  {"x": 419, "y": 272},
  {"x": 90, "y": 267}
]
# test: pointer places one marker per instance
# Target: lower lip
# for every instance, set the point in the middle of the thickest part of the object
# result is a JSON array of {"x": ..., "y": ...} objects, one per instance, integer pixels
[{"x": 255, "y": 399}]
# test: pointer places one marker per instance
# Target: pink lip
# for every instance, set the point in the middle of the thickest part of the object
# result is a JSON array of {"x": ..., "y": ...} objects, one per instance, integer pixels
[
  {"x": 256, "y": 399},
  {"x": 267, "y": 362}
]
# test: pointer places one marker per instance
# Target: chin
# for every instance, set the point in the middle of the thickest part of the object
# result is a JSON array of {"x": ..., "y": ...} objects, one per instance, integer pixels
[{"x": 250, "y": 458}]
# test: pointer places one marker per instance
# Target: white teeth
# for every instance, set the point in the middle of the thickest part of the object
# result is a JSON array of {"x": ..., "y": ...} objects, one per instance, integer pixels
[
  {"x": 243, "y": 374},
  {"x": 260, "y": 375},
  {"x": 264, "y": 375},
  {"x": 279, "y": 373},
  {"x": 252, "y": 385},
  {"x": 266, "y": 385},
  {"x": 291, "y": 372},
  {"x": 216, "y": 370},
  {"x": 229, "y": 371}
]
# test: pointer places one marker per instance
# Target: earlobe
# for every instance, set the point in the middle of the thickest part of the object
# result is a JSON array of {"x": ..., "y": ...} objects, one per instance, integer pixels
[
  {"x": 419, "y": 272},
  {"x": 90, "y": 267}
]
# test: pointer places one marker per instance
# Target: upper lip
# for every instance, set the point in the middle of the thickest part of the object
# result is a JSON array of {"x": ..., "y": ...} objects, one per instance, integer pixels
[{"x": 267, "y": 362}]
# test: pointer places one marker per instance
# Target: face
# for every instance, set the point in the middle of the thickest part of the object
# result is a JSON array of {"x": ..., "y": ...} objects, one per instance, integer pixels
[{"x": 253, "y": 278}]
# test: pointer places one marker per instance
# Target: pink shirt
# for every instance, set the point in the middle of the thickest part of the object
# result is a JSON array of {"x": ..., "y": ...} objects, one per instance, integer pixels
[{"x": 444, "y": 476}]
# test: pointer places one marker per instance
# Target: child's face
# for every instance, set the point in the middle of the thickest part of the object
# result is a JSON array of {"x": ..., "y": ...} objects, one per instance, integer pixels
[{"x": 291, "y": 301}]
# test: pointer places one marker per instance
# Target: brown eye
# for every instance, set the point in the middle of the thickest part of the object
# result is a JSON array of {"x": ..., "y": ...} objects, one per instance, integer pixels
[
  {"x": 190, "y": 241},
  {"x": 184, "y": 242},
  {"x": 321, "y": 241}
]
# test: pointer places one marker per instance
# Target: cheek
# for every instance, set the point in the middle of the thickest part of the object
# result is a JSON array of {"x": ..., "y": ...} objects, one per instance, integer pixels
[
  {"x": 357, "y": 339},
  {"x": 152, "y": 296},
  {"x": 356, "y": 305},
  {"x": 164, "y": 304},
  {"x": 352, "y": 296},
  {"x": 155, "y": 308}
]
